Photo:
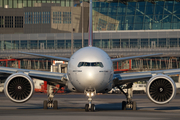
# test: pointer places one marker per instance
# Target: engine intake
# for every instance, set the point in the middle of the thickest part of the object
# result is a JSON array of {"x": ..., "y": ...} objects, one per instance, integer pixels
[
  {"x": 19, "y": 87},
  {"x": 161, "y": 89}
]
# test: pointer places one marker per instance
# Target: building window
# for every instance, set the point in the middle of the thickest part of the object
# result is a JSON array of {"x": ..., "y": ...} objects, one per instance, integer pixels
[
  {"x": 9, "y": 21},
  {"x": 61, "y": 44},
  {"x": 78, "y": 44},
  {"x": 15, "y": 44},
  {"x": 57, "y": 17},
  {"x": 33, "y": 44},
  {"x": 18, "y": 21},
  {"x": 1, "y": 4},
  {"x": 50, "y": 44},
  {"x": 116, "y": 43},
  {"x": 111, "y": 26},
  {"x": 68, "y": 44},
  {"x": 97, "y": 43},
  {"x": 28, "y": 18},
  {"x": 162, "y": 42},
  {"x": 23, "y": 44},
  {"x": 7, "y": 45},
  {"x": 66, "y": 17},
  {"x": 101, "y": 24},
  {"x": 46, "y": 17},
  {"x": 36, "y": 17},
  {"x": 1, "y": 22},
  {"x": 42, "y": 44}
]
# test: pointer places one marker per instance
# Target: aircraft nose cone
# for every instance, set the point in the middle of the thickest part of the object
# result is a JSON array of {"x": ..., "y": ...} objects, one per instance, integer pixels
[
  {"x": 92, "y": 78},
  {"x": 90, "y": 75}
]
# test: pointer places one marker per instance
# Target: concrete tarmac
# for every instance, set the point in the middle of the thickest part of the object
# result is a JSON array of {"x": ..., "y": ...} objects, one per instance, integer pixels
[{"x": 71, "y": 107}]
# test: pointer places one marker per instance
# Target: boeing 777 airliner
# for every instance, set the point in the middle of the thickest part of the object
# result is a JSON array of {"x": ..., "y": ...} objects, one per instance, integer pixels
[{"x": 90, "y": 71}]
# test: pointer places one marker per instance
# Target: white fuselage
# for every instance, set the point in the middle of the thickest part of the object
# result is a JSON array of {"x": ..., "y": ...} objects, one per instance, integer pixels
[{"x": 83, "y": 74}]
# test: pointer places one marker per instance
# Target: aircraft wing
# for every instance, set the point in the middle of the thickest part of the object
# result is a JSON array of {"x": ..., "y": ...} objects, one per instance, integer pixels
[
  {"x": 132, "y": 57},
  {"x": 123, "y": 78},
  {"x": 46, "y": 56},
  {"x": 52, "y": 77}
]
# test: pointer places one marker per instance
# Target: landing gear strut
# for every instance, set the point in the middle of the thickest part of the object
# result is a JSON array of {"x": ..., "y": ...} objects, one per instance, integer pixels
[
  {"x": 50, "y": 103},
  {"x": 90, "y": 106},
  {"x": 129, "y": 103}
]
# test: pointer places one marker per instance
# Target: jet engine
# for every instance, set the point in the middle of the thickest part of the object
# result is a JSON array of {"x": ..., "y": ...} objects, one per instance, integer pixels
[
  {"x": 161, "y": 89},
  {"x": 19, "y": 87}
]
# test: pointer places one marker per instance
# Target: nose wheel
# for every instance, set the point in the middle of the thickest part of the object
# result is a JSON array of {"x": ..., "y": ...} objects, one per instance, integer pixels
[{"x": 88, "y": 108}]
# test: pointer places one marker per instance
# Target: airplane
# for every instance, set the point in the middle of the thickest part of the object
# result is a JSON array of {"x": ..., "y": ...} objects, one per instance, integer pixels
[{"x": 90, "y": 71}]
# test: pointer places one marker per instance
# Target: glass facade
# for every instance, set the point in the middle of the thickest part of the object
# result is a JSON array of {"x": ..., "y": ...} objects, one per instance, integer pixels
[
  {"x": 37, "y": 17},
  {"x": 18, "y": 21},
  {"x": 57, "y": 17},
  {"x": 101, "y": 43},
  {"x": 107, "y": 16},
  {"x": 9, "y": 21},
  {"x": 28, "y": 17},
  {"x": 66, "y": 17},
  {"x": 1, "y": 22},
  {"x": 31, "y": 3},
  {"x": 136, "y": 15},
  {"x": 46, "y": 17}
]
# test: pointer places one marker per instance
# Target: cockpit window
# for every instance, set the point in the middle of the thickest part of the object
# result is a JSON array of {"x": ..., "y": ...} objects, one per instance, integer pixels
[{"x": 94, "y": 64}]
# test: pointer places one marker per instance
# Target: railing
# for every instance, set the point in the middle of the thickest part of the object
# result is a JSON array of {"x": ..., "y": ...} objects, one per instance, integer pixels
[{"x": 111, "y": 52}]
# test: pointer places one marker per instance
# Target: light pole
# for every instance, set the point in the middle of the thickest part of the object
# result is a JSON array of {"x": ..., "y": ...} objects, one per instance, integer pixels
[
  {"x": 90, "y": 24},
  {"x": 72, "y": 30},
  {"x": 82, "y": 24}
]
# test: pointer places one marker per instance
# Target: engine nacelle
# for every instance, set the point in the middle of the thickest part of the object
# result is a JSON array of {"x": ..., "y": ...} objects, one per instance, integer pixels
[
  {"x": 19, "y": 87},
  {"x": 161, "y": 89}
]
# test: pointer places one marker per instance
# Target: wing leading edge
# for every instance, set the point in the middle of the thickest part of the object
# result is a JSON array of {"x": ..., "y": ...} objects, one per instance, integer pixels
[
  {"x": 132, "y": 57},
  {"x": 46, "y": 56},
  {"x": 59, "y": 78},
  {"x": 123, "y": 78}
]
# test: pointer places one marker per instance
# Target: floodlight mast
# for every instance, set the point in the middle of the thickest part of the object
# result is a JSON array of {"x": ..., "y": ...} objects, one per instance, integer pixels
[{"x": 90, "y": 24}]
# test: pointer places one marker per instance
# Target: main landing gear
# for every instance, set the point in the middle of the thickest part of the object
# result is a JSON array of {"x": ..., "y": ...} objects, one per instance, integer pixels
[
  {"x": 129, "y": 103},
  {"x": 50, "y": 103},
  {"x": 90, "y": 106}
]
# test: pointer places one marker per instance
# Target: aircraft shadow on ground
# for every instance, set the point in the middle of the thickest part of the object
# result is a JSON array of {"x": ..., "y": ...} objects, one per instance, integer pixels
[
  {"x": 99, "y": 107},
  {"x": 168, "y": 108},
  {"x": 160, "y": 108},
  {"x": 111, "y": 106}
]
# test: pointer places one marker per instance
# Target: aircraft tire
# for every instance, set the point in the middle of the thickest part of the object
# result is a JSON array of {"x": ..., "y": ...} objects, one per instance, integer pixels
[
  {"x": 93, "y": 108},
  {"x": 87, "y": 107},
  {"x": 45, "y": 104},
  {"x": 55, "y": 104},
  {"x": 134, "y": 105},
  {"x": 123, "y": 105}
]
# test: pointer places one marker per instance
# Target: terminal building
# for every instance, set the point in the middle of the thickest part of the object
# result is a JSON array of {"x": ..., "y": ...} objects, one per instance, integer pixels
[{"x": 120, "y": 27}]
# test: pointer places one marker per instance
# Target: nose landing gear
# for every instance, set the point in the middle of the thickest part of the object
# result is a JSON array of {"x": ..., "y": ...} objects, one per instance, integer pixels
[{"x": 90, "y": 106}]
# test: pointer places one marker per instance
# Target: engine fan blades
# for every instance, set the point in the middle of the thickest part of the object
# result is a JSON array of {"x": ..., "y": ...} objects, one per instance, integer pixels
[{"x": 161, "y": 90}]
